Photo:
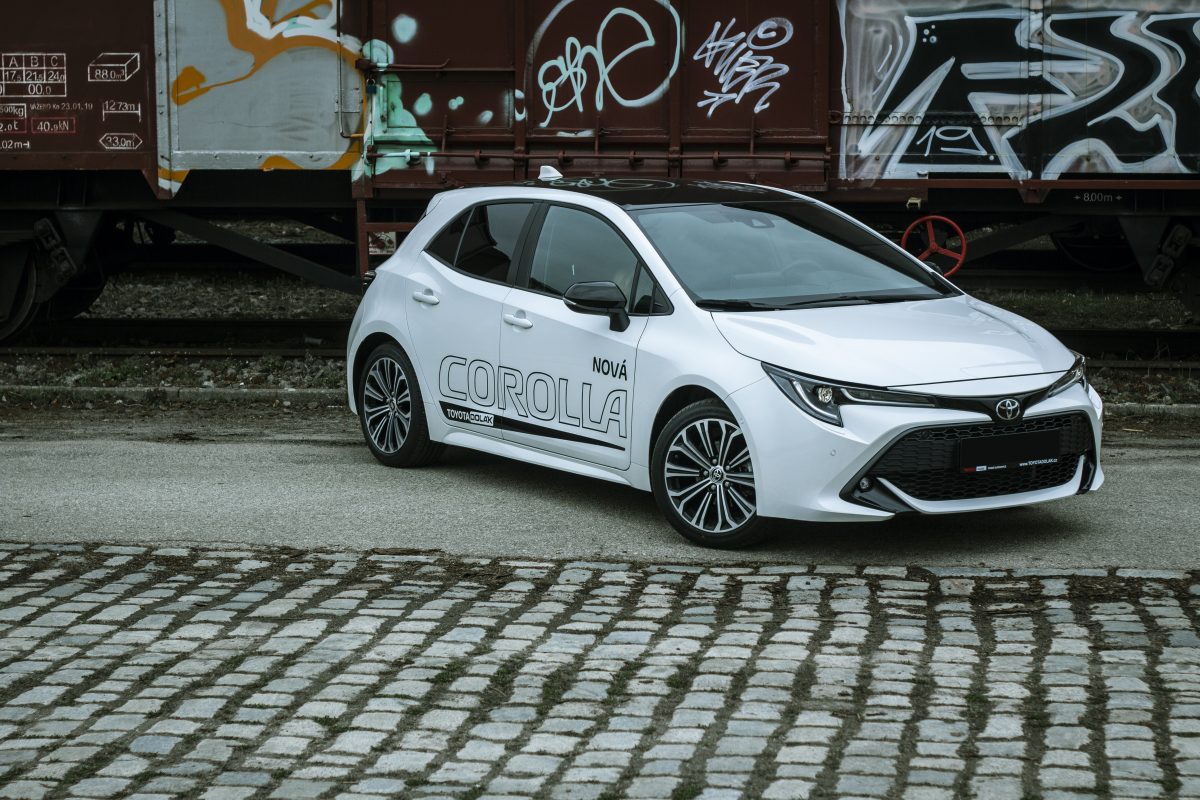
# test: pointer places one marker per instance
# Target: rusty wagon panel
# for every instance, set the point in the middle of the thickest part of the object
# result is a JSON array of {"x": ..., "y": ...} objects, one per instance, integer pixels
[
  {"x": 77, "y": 90},
  {"x": 661, "y": 88}
]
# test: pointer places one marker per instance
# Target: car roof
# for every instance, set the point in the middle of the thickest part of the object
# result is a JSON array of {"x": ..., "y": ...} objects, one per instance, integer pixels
[{"x": 644, "y": 192}]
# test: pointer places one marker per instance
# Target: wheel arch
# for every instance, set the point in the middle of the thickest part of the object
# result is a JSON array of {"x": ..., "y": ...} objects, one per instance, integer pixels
[
  {"x": 675, "y": 402},
  {"x": 365, "y": 348}
]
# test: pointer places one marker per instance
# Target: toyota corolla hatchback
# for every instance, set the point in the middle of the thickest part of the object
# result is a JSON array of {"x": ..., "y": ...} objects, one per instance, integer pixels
[{"x": 742, "y": 352}]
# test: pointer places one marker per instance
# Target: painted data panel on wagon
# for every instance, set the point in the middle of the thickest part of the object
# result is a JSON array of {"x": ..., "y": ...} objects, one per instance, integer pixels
[{"x": 77, "y": 84}]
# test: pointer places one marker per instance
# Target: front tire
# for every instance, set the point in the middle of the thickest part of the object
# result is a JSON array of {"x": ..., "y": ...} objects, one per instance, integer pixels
[
  {"x": 703, "y": 478},
  {"x": 391, "y": 411}
]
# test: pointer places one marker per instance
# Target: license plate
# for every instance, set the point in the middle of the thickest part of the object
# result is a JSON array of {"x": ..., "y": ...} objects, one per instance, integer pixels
[{"x": 1014, "y": 451}]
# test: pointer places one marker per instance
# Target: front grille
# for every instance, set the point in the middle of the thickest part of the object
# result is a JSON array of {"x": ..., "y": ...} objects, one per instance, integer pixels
[{"x": 924, "y": 464}]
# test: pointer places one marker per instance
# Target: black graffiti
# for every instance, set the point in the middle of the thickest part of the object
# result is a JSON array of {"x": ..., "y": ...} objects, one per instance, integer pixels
[
  {"x": 1139, "y": 69},
  {"x": 1182, "y": 91},
  {"x": 996, "y": 91},
  {"x": 949, "y": 129}
]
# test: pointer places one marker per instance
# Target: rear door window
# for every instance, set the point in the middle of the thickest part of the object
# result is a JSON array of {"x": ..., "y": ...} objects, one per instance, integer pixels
[
  {"x": 483, "y": 241},
  {"x": 490, "y": 240}
]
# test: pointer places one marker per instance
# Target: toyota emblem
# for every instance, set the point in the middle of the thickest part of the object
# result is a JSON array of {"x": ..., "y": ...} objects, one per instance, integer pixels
[{"x": 1009, "y": 408}]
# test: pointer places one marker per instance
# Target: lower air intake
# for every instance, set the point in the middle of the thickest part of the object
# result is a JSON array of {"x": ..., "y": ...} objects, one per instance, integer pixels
[{"x": 924, "y": 463}]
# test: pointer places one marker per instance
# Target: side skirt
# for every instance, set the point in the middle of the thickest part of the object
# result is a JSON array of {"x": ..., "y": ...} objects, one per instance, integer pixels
[{"x": 498, "y": 447}]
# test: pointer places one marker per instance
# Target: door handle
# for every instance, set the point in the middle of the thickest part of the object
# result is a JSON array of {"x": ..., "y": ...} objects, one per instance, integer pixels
[
  {"x": 427, "y": 297},
  {"x": 519, "y": 320}
]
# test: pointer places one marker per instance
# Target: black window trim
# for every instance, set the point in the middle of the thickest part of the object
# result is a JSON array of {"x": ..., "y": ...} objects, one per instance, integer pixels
[
  {"x": 658, "y": 290},
  {"x": 533, "y": 234},
  {"x": 518, "y": 250}
]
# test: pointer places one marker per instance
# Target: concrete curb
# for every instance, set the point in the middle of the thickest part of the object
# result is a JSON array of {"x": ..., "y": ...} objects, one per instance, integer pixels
[
  {"x": 142, "y": 394},
  {"x": 145, "y": 394},
  {"x": 1181, "y": 411}
]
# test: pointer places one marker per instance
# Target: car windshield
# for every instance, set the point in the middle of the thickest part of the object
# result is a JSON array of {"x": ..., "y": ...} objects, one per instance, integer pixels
[{"x": 762, "y": 256}]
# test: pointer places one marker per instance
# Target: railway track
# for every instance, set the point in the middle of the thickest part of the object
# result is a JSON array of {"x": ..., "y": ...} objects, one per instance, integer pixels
[
  {"x": 292, "y": 337},
  {"x": 280, "y": 334},
  {"x": 254, "y": 353},
  {"x": 175, "y": 352},
  {"x": 1034, "y": 270}
]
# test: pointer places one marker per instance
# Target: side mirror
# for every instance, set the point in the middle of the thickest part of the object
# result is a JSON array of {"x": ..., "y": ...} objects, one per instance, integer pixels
[
  {"x": 936, "y": 267},
  {"x": 603, "y": 298}
]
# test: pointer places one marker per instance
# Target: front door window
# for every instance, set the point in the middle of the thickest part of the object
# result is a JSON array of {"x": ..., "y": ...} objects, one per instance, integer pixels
[{"x": 578, "y": 247}]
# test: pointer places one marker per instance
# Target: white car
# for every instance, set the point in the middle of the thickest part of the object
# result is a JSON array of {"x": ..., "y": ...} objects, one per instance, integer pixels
[{"x": 743, "y": 352}]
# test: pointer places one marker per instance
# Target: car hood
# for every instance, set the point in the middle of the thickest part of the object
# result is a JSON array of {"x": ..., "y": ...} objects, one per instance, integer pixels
[{"x": 897, "y": 344}]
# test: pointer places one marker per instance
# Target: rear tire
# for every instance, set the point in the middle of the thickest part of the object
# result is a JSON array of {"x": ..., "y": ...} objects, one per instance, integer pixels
[
  {"x": 703, "y": 478},
  {"x": 391, "y": 411}
]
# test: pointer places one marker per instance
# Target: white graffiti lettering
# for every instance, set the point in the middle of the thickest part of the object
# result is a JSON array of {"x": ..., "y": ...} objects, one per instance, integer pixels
[
  {"x": 605, "y": 184},
  {"x": 566, "y": 80},
  {"x": 738, "y": 61}
]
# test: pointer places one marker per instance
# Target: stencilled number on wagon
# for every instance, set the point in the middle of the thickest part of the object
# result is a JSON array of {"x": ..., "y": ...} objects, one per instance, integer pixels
[
  {"x": 120, "y": 141},
  {"x": 956, "y": 139},
  {"x": 33, "y": 75}
]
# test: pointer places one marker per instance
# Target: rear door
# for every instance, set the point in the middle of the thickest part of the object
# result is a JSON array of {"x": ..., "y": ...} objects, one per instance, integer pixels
[
  {"x": 455, "y": 297},
  {"x": 566, "y": 386}
]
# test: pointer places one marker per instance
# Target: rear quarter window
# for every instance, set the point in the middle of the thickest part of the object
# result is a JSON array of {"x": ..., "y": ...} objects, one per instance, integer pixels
[
  {"x": 482, "y": 241},
  {"x": 445, "y": 244}
]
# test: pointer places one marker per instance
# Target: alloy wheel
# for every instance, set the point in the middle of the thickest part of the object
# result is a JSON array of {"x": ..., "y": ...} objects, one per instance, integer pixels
[
  {"x": 387, "y": 405},
  {"x": 709, "y": 476}
]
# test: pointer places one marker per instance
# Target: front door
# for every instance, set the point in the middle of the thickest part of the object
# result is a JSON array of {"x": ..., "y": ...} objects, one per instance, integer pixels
[{"x": 567, "y": 379}]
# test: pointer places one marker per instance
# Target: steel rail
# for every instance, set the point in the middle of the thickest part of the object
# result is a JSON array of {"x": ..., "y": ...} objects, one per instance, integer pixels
[{"x": 330, "y": 334}]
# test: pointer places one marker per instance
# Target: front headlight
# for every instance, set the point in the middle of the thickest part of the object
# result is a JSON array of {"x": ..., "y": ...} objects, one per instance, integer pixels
[
  {"x": 1076, "y": 374},
  {"x": 823, "y": 399}
]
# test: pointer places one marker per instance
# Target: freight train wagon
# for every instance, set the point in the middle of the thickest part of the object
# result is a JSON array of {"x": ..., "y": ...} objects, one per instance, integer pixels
[{"x": 124, "y": 121}]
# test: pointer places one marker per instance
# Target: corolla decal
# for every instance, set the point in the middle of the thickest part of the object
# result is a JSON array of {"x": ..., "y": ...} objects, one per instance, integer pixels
[{"x": 515, "y": 401}]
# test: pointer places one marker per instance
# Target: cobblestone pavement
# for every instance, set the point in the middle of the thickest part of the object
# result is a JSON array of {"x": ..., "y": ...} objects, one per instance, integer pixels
[{"x": 224, "y": 674}]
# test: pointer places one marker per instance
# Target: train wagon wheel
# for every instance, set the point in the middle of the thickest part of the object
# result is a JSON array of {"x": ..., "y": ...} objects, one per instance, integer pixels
[
  {"x": 1095, "y": 246},
  {"x": 18, "y": 285},
  {"x": 938, "y": 240},
  {"x": 76, "y": 297}
]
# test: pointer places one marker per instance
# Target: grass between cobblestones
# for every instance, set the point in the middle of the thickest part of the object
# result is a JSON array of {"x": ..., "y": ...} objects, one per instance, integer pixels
[{"x": 230, "y": 673}]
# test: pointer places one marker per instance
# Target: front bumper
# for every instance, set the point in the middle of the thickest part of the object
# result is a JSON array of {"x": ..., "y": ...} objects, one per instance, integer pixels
[{"x": 808, "y": 470}]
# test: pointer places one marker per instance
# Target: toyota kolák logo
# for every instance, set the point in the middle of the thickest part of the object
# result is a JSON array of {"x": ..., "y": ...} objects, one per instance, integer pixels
[{"x": 1009, "y": 408}]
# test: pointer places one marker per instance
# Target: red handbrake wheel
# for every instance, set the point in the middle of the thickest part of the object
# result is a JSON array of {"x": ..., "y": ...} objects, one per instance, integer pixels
[{"x": 931, "y": 237}]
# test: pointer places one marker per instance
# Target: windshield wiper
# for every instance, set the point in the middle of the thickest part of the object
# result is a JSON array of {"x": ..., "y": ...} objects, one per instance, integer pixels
[
  {"x": 735, "y": 305},
  {"x": 855, "y": 298}
]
